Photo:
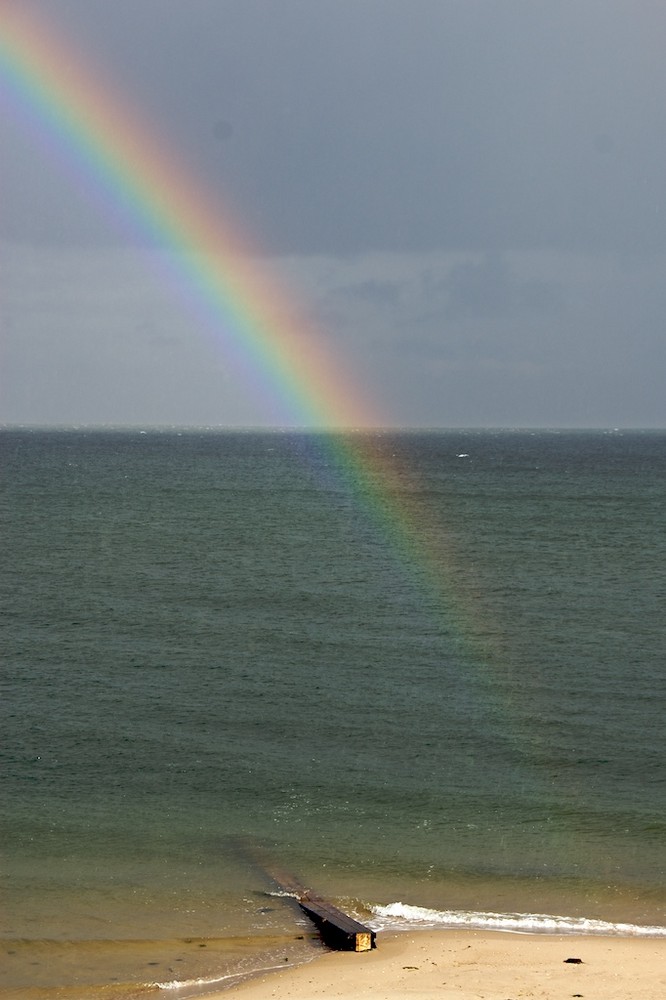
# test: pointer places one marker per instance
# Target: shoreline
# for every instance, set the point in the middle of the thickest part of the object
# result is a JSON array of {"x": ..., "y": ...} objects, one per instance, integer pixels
[{"x": 468, "y": 964}]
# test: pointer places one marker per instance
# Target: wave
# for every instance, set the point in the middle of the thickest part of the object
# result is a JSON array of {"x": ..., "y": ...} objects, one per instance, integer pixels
[
  {"x": 229, "y": 979},
  {"x": 187, "y": 984},
  {"x": 402, "y": 916}
]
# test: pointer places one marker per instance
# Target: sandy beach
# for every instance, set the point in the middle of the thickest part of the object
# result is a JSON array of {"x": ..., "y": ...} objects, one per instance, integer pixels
[{"x": 466, "y": 965}]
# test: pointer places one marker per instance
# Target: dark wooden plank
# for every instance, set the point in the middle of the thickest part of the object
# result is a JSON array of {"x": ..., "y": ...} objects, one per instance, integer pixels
[
  {"x": 326, "y": 911},
  {"x": 338, "y": 930}
]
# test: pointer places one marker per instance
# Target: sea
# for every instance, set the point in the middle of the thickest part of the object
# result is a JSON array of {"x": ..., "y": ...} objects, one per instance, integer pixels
[{"x": 222, "y": 671}]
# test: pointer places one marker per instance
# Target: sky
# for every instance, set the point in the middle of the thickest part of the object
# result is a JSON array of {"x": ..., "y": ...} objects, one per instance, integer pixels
[{"x": 466, "y": 198}]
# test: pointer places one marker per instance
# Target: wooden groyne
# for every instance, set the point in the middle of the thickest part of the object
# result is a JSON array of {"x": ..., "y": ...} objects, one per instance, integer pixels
[{"x": 337, "y": 929}]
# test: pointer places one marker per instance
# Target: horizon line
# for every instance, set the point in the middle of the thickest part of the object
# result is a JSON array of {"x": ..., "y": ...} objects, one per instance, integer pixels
[{"x": 303, "y": 429}]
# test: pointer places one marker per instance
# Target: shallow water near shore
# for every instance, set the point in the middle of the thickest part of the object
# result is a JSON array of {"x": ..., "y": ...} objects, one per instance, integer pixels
[{"x": 211, "y": 644}]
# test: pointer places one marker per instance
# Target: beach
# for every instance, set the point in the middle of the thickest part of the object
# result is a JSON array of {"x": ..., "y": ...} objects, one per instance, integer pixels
[{"x": 468, "y": 964}]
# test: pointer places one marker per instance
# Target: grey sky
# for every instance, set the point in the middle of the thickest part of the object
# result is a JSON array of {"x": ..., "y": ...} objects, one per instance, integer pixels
[{"x": 467, "y": 196}]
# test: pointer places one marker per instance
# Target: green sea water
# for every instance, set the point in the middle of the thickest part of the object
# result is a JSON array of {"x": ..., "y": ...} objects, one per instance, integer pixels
[{"x": 208, "y": 646}]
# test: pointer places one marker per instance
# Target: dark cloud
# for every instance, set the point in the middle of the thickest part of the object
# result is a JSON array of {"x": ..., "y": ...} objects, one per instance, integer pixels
[
  {"x": 377, "y": 293},
  {"x": 487, "y": 287}
]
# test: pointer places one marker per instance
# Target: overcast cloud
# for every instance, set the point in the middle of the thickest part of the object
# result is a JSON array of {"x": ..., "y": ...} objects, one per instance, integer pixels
[{"x": 466, "y": 195}]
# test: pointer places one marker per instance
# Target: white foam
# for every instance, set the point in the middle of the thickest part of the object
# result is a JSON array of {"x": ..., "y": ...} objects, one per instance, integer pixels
[
  {"x": 402, "y": 916},
  {"x": 182, "y": 984}
]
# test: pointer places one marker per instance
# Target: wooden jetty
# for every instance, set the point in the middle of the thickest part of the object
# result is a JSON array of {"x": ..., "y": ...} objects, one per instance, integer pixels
[{"x": 337, "y": 929}]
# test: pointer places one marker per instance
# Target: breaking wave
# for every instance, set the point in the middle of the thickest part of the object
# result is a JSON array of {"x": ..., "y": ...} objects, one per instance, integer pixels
[{"x": 402, "y": 916}]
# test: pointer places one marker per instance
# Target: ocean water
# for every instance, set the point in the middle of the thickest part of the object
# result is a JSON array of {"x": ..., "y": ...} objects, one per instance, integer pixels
[{"x": 215, "y": 661}]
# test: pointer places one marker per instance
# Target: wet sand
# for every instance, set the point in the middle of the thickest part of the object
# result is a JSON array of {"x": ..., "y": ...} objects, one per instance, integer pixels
[{"x": 469, "y": 964}]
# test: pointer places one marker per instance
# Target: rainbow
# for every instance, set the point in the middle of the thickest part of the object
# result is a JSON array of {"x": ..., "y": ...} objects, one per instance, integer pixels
[
  {"x": 77, "y": 114},
  {"x": 72, "y": 109}
]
